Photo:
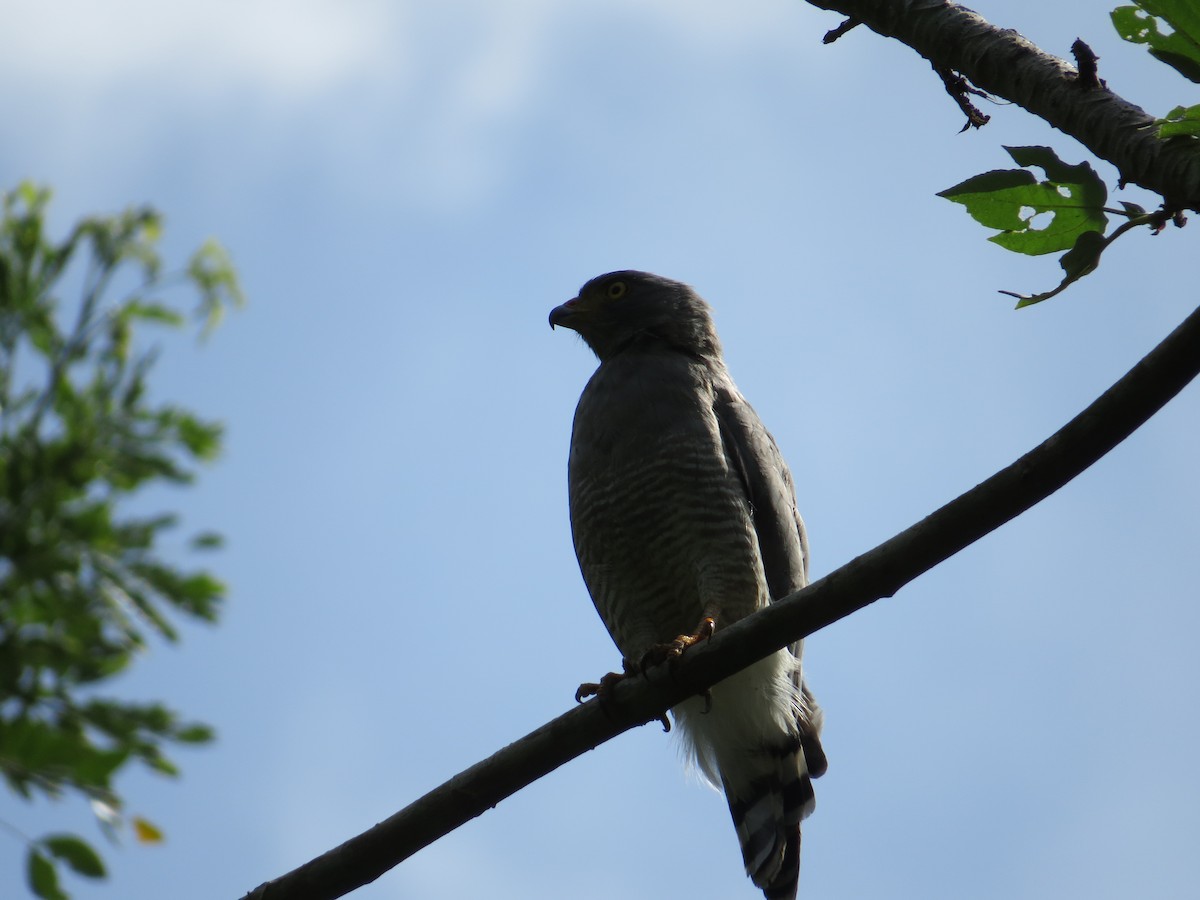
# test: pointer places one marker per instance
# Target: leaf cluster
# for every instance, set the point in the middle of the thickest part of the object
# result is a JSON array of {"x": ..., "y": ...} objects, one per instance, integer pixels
[
  {"x": 83, "y": 585},
  {"x": 1066, "y": 210},
  {"x": 1171, "y": 31}
]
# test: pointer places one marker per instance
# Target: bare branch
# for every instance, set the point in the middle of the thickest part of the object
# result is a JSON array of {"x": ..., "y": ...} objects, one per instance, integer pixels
[
  {"x": 1116, "y": 414},
  {"x": 1003, "y": 63}
]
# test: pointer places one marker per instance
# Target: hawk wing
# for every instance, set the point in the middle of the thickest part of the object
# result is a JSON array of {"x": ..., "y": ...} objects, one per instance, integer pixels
[{"x": 782, "y": 539}]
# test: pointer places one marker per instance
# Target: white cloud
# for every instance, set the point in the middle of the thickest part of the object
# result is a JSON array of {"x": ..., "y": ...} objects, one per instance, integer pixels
[
  {"x": 430, "y": 97},
  {"x": 86, "y": 47}
]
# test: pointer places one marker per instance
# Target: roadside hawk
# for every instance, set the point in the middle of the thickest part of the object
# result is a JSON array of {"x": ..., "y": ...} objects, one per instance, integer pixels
[{"x": 684, "y": 519}]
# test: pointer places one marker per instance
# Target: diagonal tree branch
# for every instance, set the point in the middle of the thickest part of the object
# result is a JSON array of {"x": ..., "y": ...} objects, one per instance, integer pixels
[
  {"x": 1003, "y": 63},
  {"x": 1116, "y": 414}
]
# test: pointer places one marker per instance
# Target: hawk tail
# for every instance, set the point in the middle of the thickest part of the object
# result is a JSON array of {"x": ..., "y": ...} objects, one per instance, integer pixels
[
  {"x": 767, "y": 812},
  {"x": 761, "y": 743}
]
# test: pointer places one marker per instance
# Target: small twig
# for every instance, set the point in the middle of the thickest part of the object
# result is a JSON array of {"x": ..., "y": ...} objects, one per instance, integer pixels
[
  {"x": 834, "y": 33},
  {"x": 1085, "y": 65},
  {"x": 958, "y": 88},
  {"x": 16, "y": 832}
]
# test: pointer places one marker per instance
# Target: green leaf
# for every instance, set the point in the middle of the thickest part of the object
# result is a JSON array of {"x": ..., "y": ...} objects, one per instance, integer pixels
[
  {"x": 144, "y": 605},
  {"x": 32, "y": 196},
  {"x": 42, "y": 334},
  {"x": 163, "y": 766},
  {"x": 1180, "y": 122},
  {"x": 43, "y": 877},
  {"x": 1178, "y": 48},
  {"x": 1080, "y": 260},
  {"x": 208, "y": 540},
  {"x": 1010, "y": 200},
  {"x": 993, "y": 198},
  {"x": 195, "y": 734},
  {"x": 211, "y": 272},
  {"x": 151, "y": 312},
  {"x": 77, "y": 854},
  {"x": 35, "y": 746},
  {"x": 97, "y": 767},
  {"x": 201, "y": 588},
  {"x": 202, "y": 439}
]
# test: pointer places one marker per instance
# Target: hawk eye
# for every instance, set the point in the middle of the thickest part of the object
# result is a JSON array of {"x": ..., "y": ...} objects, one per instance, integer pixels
[{"x": 616, "y": 290}]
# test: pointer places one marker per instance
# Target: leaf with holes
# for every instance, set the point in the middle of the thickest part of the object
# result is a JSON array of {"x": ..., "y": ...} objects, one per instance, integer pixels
[
  {"x": 1011, "y": 200},
  {"x": 1179, "y": 47}
]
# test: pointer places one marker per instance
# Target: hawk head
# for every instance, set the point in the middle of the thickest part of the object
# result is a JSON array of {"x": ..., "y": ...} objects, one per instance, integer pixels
[{"x": 624, "y": 309}]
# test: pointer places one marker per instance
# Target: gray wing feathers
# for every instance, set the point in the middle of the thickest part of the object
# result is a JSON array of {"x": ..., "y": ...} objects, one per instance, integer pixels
[
  {"x": 782, "y": 538},
  {"x": 753, "y": 452}
]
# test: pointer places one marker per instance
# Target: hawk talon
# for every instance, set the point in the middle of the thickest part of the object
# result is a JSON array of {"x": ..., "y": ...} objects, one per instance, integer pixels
[
  {"x": 587, "y": 689},
  {"x": 672, "y": 650},
  {"x": 601, "y": 690}
]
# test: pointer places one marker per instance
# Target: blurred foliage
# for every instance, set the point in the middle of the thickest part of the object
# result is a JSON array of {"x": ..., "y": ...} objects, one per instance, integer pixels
[{"x": 82, "y": 586}]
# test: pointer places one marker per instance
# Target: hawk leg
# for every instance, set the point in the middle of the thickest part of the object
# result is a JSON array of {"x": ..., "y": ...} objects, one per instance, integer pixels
[
  {"x": 602, "y": 689},
  {"x": 672, "y": 650}
]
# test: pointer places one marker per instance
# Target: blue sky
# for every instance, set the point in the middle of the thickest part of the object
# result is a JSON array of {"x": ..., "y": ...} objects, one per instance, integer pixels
[{"x": 407, "y": 189}]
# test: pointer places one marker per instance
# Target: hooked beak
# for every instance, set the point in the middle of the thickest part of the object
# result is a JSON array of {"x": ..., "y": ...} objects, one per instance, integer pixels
[{"x": 565, "y": 314}]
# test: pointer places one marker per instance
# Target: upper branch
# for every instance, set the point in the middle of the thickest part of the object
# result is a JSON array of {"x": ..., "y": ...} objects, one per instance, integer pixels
[
  {"x": 1116, "y": 414},
  {"x": 1002, "y": 62}
]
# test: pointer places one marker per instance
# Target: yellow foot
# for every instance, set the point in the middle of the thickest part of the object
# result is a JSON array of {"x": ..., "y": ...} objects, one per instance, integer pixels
[{"x": 672, "y": 650}]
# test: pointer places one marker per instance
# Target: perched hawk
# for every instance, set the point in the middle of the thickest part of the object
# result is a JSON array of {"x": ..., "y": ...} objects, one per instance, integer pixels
[{"x": 684, "y": 519}]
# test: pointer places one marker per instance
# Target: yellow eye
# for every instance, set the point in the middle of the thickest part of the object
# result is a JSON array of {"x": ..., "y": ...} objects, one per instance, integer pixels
[{"x": 616, "y": 290}]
